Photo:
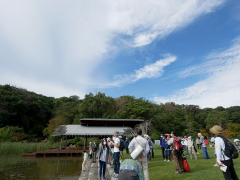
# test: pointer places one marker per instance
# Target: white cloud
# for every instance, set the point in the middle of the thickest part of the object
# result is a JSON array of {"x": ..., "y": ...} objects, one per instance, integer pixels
[
  {"x": 64, "y": 42},
  {"x": 221, "y": 88},
  {"x": 149, "y": 71}
]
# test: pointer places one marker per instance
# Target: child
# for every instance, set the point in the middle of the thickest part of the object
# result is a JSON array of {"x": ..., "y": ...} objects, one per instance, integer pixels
[
  {"x": 90, "y": 153},
  {"x": 84, "y": 160},
  {"x": 167, "y": 150}
]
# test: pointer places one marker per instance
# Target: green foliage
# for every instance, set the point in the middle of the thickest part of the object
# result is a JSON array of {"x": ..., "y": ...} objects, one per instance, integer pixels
[
  {"x": 10, "y": 133},
  {"x": 216, "y": 118},
  {"x": 19, "y": 148}
]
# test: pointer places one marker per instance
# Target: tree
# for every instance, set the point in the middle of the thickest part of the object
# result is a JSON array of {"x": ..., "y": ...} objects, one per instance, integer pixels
[
  {"x": 53, "y": 124},
  {"x": 216, "y": 118}
]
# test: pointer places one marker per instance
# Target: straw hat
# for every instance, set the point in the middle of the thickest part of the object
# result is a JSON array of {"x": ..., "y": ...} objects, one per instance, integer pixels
[{"x": 217, "y": 130}]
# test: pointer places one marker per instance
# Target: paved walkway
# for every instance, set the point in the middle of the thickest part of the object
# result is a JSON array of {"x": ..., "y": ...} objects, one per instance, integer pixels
[{"x": 92, "y": 172}]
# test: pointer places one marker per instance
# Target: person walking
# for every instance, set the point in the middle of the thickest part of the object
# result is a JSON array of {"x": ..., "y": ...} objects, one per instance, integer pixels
[
  {"x": 126, "y": 145},
  {"x": 116, "y": 155},
  {"x": 177, "y": 154},
  {"x": 198, "y": 143},
  {"x": 142, "y": 159},
  {"x": 85, "y": 158},
  {"x": 191, "y": 148},
  {"x": 162, "y": 145},
  {"x": 204, "y": 147},
  {"x": 94, "y": 150},
  {"x": 103, "y": 154},
  {"x": 222, "y": 159},
  {"x": 152, "y": 147}
]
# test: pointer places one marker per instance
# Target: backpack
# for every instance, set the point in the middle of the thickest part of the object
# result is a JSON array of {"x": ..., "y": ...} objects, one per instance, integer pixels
[
  {"x": 230, "y": 150},
  {"x": 150, "y": 142},
  {"x": 206, "y": 142},
  {"x": 121, "y": 147},
  {"x": 178, "y": 146},
  {"x": 186, "y": 166}
]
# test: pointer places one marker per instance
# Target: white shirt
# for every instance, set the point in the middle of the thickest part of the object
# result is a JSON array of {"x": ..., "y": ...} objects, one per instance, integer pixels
[
  {"x": 85, "y": 156},
  {"x": 117, "y": 141},
  {"x": 220, "y": 147}
]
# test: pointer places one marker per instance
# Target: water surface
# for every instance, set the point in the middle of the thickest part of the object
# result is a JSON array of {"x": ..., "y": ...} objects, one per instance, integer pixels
[{"x": 14, "y": 167}]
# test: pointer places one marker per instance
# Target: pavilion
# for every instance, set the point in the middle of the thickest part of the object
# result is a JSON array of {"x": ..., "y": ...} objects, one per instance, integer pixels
[{"x": 97, "y": 127}]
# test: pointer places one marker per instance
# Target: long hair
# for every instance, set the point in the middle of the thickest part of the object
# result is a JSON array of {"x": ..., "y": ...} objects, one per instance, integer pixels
[{"x": 105, "y": 145}]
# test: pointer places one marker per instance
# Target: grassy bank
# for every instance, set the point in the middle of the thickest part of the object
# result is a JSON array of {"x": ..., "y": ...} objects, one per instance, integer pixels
[
  {"x": 201, "y": 169},
  {"x": 19, "y": 148}
]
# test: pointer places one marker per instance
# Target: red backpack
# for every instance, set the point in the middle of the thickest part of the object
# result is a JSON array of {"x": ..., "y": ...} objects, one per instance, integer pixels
[
  {"x": 206, "y": 142},
  {"x": 178, "y": 146}
]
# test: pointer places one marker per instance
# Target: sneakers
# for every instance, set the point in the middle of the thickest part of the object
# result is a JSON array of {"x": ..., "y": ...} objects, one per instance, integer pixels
[
  {"x": 168, "y": 161},
  {"x": 198, "y": 153},
  {"x": 177, "y": 172},
  {"x": 182, "y": 171},
  {"x": 165, "y": 160},
  {"x": 104, "y": 178},
  {"x": 216, "y": 165},
  {"x": 115, "y": 176}
]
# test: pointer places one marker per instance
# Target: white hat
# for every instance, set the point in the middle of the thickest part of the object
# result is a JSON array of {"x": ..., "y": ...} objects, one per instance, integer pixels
[{"x": 236, "y": 140}]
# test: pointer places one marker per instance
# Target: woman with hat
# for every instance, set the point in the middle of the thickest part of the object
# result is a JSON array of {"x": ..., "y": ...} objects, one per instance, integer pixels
[{"x": 222, "y": 159}]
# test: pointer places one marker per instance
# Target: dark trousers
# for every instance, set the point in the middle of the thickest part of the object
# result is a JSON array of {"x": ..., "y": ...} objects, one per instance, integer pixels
[
  {"x": 230, "y": 174},
  {"x": 149, "y": 156},
  {"x": 127, "y": 150},
  {"x": 163, "y": 152},
  {"x": 128, "y": 175},
  {"x": 90, "y": 156},
  {"x": 195, "y": 148},
  {"x": 152, "y": 153},
  {"x": 102, "y": 168},
  {"x": 199, "y": 146},
  {"x": 116, "y": 162}
]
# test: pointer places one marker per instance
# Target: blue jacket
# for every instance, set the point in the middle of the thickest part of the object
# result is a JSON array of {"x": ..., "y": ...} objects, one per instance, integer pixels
[
  {"x": 100, "y": 153},
  {"x": 127, "y": 143},
  {"x": 163, "y": 143},
  {"x": 166, "y": 146}
]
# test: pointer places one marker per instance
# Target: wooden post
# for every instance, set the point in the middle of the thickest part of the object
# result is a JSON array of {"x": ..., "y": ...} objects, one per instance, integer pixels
[
  {"x": 61, "y": 144},
  {"x": 66, "y": 143},
  {"x": 84, "y": 144}
]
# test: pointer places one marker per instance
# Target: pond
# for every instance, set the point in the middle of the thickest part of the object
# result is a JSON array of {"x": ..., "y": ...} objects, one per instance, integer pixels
[{"x": 14, "y": 167}]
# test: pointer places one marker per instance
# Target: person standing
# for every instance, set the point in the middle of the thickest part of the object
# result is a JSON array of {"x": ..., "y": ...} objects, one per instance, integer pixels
[
  {"x": 198, "y": 143},
  {"x": 94, "y": 150},
  {"x": 116, "y": 155},
  {"x": 121, "y": 148},
  {"x": 150, "y": 147},
  {"x": 186, "y": 144},
  {"x": 177, "y": 155},
  {"x": 126, "y": 145},
  {"x": 191, "y": 148},
  {"x": 162, "y": 145},
  {"x": 85, "y": 158},
  {"x": 142, "y": 159},
  {"x": 103, "y": 159},
  {"x": 167, "y": 150},
  {"x": 222, "y": 159},
  {"x": 204, "y": 147}
]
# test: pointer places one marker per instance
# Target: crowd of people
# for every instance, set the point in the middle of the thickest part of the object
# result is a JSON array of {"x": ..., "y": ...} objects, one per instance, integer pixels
[{"x": 174, "y": 148}]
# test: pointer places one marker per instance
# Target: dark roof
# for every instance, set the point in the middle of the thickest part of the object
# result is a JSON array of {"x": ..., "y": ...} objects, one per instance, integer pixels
[{"x": 101, "y": 119}]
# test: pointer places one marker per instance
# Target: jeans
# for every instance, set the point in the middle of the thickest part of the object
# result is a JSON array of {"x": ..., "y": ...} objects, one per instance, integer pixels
[
  {"x": 102, "y": 168},
  {"x": 116, "y": 162},
  {"x": 127, "y": 150},
  {"x": 205, "y": 153},
  {"x": 168, "y": 154},
  {"x": 186, "y": 150}
]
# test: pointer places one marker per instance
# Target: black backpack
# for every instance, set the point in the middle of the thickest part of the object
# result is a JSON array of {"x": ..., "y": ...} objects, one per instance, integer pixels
[
  {"x": 121, "y": 147},
  {"x": 230, "y": 150}
]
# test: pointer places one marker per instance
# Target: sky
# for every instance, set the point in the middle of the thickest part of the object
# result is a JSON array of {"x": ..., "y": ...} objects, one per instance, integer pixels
[{"x": 182, "y": 51}]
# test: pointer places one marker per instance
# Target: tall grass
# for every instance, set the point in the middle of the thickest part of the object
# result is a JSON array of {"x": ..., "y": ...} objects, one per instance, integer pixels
[{"x": 19, "y": 148}]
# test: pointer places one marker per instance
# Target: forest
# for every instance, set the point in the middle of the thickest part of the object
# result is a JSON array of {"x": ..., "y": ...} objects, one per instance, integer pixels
[{"x": 25, "y": 114}]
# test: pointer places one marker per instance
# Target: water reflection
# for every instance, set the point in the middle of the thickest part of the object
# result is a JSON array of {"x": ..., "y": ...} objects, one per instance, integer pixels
[{"x": 49, "y": 168}]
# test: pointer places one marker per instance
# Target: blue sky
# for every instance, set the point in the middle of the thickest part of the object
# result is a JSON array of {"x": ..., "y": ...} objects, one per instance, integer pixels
[{"x": 183, "y": 51}]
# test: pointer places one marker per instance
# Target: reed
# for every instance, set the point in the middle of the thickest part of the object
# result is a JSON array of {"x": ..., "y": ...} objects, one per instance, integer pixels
[{"x": 19, "y": 148}]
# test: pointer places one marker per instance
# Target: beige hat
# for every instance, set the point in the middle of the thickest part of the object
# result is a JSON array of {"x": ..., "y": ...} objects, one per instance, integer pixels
[{"x": 216, "y": 130}]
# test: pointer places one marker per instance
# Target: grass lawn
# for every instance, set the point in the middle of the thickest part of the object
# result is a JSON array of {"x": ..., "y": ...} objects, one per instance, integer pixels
[{"x": 201, "y": 169}]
